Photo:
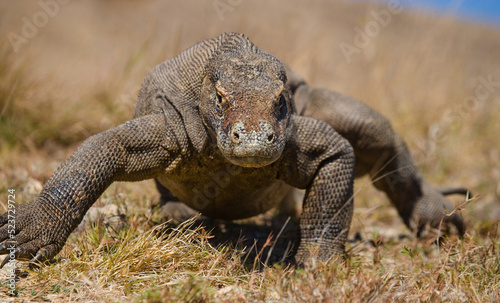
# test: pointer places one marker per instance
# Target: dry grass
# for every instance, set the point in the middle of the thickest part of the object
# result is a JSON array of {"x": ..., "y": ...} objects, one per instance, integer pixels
[{"x": 81, "y": 72}]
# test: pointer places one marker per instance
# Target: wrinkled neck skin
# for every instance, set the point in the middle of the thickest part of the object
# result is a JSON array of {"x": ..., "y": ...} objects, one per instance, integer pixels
[{"x": 246, "y": 106}]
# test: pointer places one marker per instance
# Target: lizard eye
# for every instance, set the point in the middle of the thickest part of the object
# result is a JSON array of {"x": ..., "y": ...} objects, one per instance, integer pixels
[
  {"x": 280, "y": 106},
  {"x": 220, "y": 103}
]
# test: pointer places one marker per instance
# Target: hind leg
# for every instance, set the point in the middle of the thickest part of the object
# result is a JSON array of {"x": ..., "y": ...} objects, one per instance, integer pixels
[
  {"x": 169, "y": 207},
  {"x": 383, "y": 154}
]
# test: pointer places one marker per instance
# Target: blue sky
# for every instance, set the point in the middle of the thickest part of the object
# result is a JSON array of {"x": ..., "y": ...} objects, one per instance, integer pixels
[{"x": 484, "y": 11}]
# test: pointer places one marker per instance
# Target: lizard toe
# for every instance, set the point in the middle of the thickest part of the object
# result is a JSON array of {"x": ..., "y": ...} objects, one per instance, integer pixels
[
  {"x": 46, "y": 253},
  {"x": 34, "y": 251},
  {"x": 4, "y": 234},
  {"x": 4, "y": 218},
  {"x": 435, "y": 210},
  {"x": 14, "y": 251},
  {"x": 20, "y": 242},
  {"x": 4, "y": 247},
  {"x": 456, "y": 219}
]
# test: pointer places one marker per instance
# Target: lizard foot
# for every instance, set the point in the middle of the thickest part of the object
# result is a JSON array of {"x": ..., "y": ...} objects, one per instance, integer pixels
[
  {"x": 171, "y": 210},
  {"x": 435, "y": 211},
  {"x": 37, "y": 233}
]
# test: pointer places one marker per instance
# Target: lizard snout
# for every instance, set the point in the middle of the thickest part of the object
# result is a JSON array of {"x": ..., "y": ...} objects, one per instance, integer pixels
[
  {"x": 240, "y": 135},
  {"x": 253, "y": 144}
]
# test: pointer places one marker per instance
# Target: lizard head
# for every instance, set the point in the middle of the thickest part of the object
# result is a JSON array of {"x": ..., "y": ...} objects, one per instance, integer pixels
[{"x": 246, "y": 107}]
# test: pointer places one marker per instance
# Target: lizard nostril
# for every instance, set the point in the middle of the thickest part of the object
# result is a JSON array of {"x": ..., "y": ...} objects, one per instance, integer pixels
[
  {"x": 235, "y": 137},
  {"x": 270, "y": 138}
]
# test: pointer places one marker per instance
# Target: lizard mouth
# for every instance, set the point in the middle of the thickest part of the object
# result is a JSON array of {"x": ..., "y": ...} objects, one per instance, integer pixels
[
  {"x": 251, "y": 161},
  {"x": 250, "y": 150}
]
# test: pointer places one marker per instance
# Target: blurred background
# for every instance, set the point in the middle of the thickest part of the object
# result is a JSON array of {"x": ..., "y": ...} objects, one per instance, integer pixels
[{"x": 70, "y": 69}]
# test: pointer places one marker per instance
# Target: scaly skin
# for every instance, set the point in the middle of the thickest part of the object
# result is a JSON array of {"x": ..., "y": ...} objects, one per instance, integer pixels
[
  {"x": 382, "y": 153},
  {"x": 229, "y": 130}
]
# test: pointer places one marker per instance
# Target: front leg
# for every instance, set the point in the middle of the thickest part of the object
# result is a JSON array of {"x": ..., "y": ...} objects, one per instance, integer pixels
[
  {"x": 136, "y": 150},
  {"x": 321, "y": 161}
]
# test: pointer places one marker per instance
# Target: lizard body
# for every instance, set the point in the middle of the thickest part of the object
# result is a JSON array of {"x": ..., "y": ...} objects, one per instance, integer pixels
[{"x": 229, "y": 130}]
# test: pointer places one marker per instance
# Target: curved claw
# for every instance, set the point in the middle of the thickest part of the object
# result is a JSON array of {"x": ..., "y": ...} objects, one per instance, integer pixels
[
  {"x": 5, "y": 261},
  {"x": 456, "y": 220},
  {"x": 18, "y": 255},
  {"x": 46, "y": 253},
  {"x": 4, "y": 249}
]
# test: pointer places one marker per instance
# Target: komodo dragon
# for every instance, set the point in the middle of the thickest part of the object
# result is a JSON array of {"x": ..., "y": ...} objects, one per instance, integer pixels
[{"x": 228, "y": 130}]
